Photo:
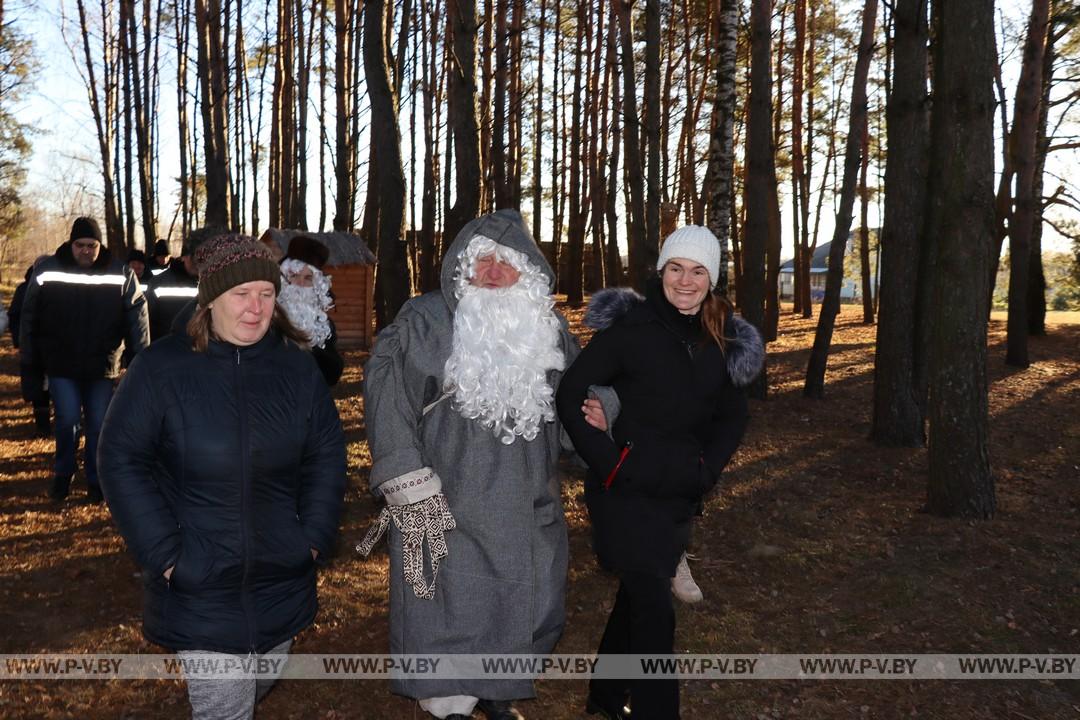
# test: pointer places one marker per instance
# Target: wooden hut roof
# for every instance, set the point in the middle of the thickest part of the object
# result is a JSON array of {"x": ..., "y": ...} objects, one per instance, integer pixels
[{"x": 345, "y": 248}]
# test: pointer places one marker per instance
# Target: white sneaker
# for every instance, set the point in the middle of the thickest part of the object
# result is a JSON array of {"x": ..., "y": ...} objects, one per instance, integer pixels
[{"x": 683, "y": 585}]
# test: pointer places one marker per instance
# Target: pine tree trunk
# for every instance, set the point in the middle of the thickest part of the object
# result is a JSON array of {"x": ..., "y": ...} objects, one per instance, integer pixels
[
  {"x": 497, "y": 156},
  {"x": 429, "y": 261},
  {"x": 898, "y": 417},
  {"x": 538, "y": 127},
  {"x": 612, "y": 261},
  {"x": 102, "y": 108},
  {"x": 799, "y": 195},
  {"x": 760, "y": 175},
  {"x": 653, "y": 110},
  {"x": 962, "y": 220},
  {"x": 864, "y": 232},
  {"x": 576, "y": 225},
  {"x": 391, "y": 278},
  {"x": 462, "y": 117},
  {"x": 830, "y": 308},
  {"x": 1037, "y": 280},
  {"x": 642, "y": 256},
  {"x": 344, "y": 79},
  {"x": 211, "y": 72},
  {"x": 1024, "y": 137},
  {"x": 183, "y": 25}
]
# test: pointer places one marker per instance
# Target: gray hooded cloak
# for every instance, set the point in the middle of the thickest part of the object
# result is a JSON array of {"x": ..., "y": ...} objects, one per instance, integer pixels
[{"x": 501, "y": 589}]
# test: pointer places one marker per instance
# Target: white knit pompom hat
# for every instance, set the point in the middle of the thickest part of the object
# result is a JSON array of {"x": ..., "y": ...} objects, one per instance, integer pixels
[{"x": 692, "y": 242}]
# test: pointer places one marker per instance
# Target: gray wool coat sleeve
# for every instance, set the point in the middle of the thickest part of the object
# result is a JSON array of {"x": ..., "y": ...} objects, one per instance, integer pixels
[{"x": 396, "y": 390}]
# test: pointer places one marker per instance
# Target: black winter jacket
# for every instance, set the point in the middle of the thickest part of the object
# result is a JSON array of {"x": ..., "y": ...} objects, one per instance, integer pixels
[
  {"x": 682, "y": 417},
  {"x": 229, "y": 466},
  {"x": 170, "y": 291},
  {"x": 330, "y": 362},
  {"x": 75, "y": 319}
]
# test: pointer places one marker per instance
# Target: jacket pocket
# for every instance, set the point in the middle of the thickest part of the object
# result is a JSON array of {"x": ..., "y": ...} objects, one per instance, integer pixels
[{"x": 202, "y": 565}]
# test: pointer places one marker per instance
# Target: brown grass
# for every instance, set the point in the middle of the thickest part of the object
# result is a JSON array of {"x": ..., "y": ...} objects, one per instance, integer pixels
[{"x": 860, "y": 568}]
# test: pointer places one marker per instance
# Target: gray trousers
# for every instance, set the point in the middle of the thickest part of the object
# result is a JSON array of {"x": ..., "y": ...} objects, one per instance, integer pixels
[{"x": 227, "y": 695}]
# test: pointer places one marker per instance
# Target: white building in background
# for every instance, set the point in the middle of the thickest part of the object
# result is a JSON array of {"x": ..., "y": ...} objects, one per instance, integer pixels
[{"x": 851, "y": 289}]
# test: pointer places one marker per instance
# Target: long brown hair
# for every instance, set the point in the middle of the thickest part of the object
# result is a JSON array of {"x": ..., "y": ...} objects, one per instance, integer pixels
[
  {"x": 714, "y": 312},
  {"x": 201, "y": 329}
]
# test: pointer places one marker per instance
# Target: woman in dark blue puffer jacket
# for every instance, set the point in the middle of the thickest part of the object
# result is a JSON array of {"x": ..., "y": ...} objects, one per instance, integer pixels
[{"x": 222, "y": 460}]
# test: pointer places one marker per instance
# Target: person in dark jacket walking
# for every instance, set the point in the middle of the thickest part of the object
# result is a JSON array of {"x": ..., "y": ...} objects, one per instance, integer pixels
[
  {"x": 173, "y": 288},
  {"x": 136, "y": 262},
  {"x": 676, "y": 359},
  {"x": 82, "y": 309},
  {"x": 31, "y": 379},
  {"x": 223, "y": 463}
]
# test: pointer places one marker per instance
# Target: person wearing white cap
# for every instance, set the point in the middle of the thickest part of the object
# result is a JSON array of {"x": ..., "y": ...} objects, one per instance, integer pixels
[{"x": 677, "y": 359}]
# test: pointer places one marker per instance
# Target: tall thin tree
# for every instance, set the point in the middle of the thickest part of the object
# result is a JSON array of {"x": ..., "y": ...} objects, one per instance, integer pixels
[{"x": 830, "y": 308}]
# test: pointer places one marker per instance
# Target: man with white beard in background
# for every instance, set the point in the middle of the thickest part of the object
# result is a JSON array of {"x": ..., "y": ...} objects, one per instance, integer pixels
[
  {"x": 464, "y": 441},
  {"x": 305, "y": 295}
]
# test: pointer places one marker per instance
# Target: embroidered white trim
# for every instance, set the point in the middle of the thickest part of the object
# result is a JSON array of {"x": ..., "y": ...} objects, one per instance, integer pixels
[
  {"x": 79, "y": 278},
  {"x": 412, "y": 487}
]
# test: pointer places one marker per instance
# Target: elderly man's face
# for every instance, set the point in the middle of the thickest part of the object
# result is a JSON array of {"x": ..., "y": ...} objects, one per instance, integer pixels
[
  {"x": 492, "y": 273},
  {"x": 304, "y": 277}
]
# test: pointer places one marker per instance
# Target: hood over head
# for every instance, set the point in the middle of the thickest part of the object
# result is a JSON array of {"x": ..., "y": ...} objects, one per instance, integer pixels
[{"x": 505, "y": 227}]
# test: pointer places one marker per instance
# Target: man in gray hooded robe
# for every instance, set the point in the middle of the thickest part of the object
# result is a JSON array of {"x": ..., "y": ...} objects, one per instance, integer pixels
[{"x": 464, "y": 442}]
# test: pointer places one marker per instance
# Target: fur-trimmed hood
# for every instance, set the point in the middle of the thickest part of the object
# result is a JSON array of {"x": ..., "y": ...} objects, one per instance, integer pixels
[{"x": 745, "y": 350}]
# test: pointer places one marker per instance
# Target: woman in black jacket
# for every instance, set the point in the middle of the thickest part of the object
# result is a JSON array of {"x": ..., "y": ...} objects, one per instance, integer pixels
[
  {"x": 223, "y": 462},
  {"x": 676, "y": 359}
]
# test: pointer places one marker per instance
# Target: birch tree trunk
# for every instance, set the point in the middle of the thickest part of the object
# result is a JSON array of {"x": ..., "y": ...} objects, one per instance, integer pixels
[{"x": 721, "y": 168}]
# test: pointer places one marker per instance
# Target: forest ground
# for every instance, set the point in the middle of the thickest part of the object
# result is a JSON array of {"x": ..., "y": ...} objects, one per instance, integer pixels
[{"x": 815, "y": 543}]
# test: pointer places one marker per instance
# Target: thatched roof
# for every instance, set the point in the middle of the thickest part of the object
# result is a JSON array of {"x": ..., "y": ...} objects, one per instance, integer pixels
[{"x": 345, "y": 248}]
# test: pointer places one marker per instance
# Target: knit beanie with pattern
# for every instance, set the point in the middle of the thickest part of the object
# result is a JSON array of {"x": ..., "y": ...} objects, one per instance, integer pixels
[
  {"x": 85, "y": 227},
  {"x": 692, "y": 242},
  {"x": 230, "y": 260}
]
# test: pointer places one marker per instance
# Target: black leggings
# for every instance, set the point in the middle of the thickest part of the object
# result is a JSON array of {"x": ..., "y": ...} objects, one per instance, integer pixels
[{"x": 642, "y": 622}]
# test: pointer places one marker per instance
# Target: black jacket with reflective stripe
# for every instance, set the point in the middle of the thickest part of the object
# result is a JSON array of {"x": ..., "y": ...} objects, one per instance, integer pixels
[
  {"x": 169, "y": 292},
  {"x": 75, "y": 320}
]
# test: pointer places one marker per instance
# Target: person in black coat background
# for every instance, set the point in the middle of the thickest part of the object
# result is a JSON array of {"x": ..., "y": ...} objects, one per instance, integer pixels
[
  {"x": 223, "y": 463},
  {"x": 81, "y": 312},
  {"x": 676, "y": 360},
  {"x": 31, "y": 379},
  {"x": 307, "y": 297}
]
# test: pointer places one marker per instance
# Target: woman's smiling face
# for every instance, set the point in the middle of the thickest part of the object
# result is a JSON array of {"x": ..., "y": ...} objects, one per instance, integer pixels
[{"x": 686, "y": 283}]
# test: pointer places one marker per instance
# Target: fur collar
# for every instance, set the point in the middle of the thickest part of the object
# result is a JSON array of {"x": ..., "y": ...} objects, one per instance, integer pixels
[{"x": 745, "y": 350}]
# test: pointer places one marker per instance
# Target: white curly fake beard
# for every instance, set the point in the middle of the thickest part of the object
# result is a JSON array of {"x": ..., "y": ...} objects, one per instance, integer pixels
[
  {"x": 505, "y": 342},
  {"x": 307, "y": 311}
]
